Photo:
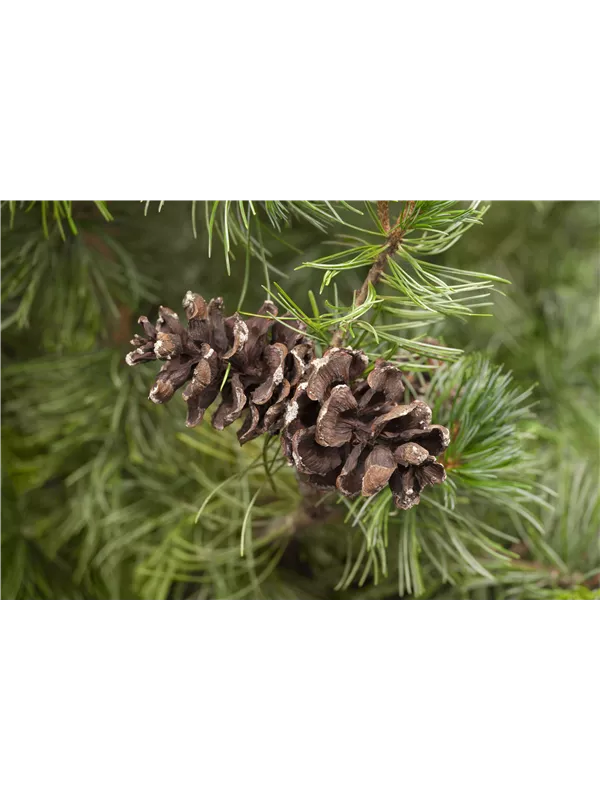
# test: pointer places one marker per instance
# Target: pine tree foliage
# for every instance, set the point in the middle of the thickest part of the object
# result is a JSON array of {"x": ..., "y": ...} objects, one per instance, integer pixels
[
  {"x": 548, "y": 327},
  {"x": 491, "y": 312},
  {"x": 54, "y": 212}
]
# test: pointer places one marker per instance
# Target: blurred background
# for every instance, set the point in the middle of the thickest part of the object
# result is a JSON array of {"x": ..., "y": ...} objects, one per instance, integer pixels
[{"x": 100, "y": 488}]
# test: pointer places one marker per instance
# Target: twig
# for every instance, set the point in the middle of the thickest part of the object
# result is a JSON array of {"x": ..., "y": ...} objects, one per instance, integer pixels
[
  {"x": 394, "y": 239},
  {"x": 407, "y": 212},
  {"x": 383, "y": 212},
  {"x": 551, "y": 574},
  {"x": 337, "y": 340},
  {"x": 377, "y": 270},
  {"x": 312, "y": 510}
]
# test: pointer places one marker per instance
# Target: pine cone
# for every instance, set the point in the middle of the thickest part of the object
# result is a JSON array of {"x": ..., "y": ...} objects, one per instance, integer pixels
[
  {"x": 267, "y": 359},
  {"x": 357, "y": 436}
]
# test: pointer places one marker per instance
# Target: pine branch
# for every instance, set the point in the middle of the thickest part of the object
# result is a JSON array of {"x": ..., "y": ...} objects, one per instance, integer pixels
[
  {"x": 394, "y": 239},
  {"x": 101, "y": 489}
]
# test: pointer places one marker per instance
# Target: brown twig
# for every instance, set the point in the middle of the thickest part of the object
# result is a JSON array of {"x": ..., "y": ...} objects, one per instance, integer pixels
[
  {"x": 383, "y": 212},
  {"x": 311, "y": 511},
  {"x": 552, "y": 574},
  {"x": 394, "y": 239},
  {"x": 377, "y": 270},
  {"x": 337, "y": 340}
]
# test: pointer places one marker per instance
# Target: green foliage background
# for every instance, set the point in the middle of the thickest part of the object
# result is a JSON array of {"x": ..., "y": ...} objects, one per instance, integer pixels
[{"x": 107, "y": 496}]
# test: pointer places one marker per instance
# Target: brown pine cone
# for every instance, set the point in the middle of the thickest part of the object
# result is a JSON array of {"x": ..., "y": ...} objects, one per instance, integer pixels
[
  {"x": 358, "y": 436},
  {"x": 267, "y": 360}
]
